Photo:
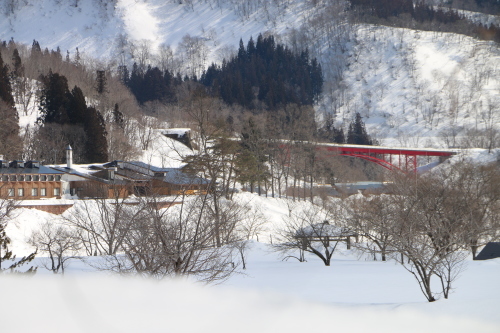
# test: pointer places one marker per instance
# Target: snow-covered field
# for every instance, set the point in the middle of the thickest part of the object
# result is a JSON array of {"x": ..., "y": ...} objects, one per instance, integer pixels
[
  {"x": 270, "y": 296},
  {"x": 354, "y": 294}
]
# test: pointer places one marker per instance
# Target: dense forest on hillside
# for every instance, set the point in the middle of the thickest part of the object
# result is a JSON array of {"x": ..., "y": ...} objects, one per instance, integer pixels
[
  {"x": 423, "y": 16},
  {"x": 266, "y": 72},
  {"x": 491, "y": 7},
  {"x": 265, "y": 75},
  {"x": 71, "y": 104}
]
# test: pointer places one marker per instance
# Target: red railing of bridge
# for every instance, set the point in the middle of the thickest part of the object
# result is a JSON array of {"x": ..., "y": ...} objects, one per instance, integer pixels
[{"x": 377, "y": 154}]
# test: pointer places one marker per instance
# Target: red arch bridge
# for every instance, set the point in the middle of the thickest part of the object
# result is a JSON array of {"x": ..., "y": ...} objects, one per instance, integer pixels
[{"x": 402, "y": 159}]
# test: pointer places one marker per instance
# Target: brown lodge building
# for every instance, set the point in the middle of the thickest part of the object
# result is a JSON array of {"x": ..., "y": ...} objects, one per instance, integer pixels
[{"x": 31, "y": 180}]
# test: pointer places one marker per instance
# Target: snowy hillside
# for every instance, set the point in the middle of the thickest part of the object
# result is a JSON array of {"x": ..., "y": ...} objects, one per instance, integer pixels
[
  {"x": 95, "y": 27},
  {"x": 414, "y": 88}
]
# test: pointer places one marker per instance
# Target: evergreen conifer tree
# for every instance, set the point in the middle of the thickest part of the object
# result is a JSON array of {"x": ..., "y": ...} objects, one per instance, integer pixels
[
  {"x": 251, "y": 162},
  {"x": 117, "y": 116},
  {"x": 35, "y": 49},
  {"x": 55, "y": 98},
  {"x": 101, "y": 82},
  {"x": 18, "y": 70},
  {"x": 5, "y": 87},
  {"x": 10, "y": 143},
  {"x": 123, "y": 74},
  {"x": 77, "y": 107},
  {"x": 95, "y": 129},
  {"x": 330, "y": 133},
  {"x": 6, "y": 254},
  {"x": 357, "y": 132}
]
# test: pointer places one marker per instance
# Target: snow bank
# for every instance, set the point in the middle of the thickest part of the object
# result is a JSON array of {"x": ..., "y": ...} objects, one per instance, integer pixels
[{"x": 104, "y": 304}]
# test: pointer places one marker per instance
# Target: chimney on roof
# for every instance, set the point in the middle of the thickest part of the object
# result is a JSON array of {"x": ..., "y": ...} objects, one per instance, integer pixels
[{"x": 69, "y": 157}]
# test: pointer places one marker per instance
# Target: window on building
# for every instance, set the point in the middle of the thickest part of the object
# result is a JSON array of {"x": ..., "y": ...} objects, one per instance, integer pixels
[
  {"x": 43, "y": 178},
  {"x": 51, "y": 178},
  {"x": 58, "y": 178},
  {"x": 21, "y": 178},
  {"x": 20, "y": 192},
  {"x": 28, "y": 178},
  {"x": 43, "y": 192},
  {"x": 13, "y": 178},
  {"x": 11, "y": 192},
  {"x": 34, "y": 192},
  {"x": 5, "y": 178},
  {"x": 36, "y": 178},
  {"x": 57, "y": 191}
]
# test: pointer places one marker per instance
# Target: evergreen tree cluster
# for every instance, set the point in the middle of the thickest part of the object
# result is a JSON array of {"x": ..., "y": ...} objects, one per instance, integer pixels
[
  {"x": 330, "y": 133},
  {"x": 5, "y": 87},
  {"x": 10, "y": 142},
  {"x": 489, "y": 6},
  {"x": 59, "y": 105},
  {"x": 356, "y": 134},
  {"x": 251, "y": 165},
  {"x": 151, "y": 85},
  {"x": 266, "y": 72},
  {"x": 443, "y": 19},
  {"x": 385, "y": 8}
]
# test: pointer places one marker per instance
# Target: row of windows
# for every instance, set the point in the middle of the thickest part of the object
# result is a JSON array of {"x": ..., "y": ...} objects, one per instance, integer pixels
[
  {"x": 34, "y": 192},
  {"x": 29, "y": 178}
]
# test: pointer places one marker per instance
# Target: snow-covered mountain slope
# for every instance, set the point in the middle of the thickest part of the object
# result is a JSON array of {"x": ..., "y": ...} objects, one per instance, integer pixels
[
  {"x": 95, "y": 26},
  {"x": 414, "y": 88}
]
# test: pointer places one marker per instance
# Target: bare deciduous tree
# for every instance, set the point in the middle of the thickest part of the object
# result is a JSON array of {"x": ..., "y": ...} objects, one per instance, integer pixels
[
  {"x": 195, "y": 51},
  {"x": 59, "y": 242},
  {"x": 373, "y": 219},
  {"x": 309, "y": 230},
  {"x": 102, "y": 224},
  {"x": 429, "y": 228},
  {"x": 177, "y": 241}
]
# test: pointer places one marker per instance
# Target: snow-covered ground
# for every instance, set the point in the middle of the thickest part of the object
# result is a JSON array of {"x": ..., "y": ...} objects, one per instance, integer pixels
[
  {"x": 270, "y": 296},
  {"x": 354, "y": 294}
]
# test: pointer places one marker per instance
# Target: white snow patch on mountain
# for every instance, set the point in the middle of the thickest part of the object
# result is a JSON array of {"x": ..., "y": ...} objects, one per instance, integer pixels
[{"x": 140, "y": 22}]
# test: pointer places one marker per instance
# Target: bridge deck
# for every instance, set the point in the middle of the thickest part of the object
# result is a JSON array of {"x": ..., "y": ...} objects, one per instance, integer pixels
[{"x": 359, "y": 149}]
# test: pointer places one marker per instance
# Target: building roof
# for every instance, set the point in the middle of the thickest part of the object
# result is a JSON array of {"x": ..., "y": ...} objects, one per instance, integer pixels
[
  {"x": 177, "y": 177},
  {"x": 143, "y": 167},
  {"x": 90, "y": 176},
  {"x": 34, "y": 170},
  {"x": 137, "y": 170},
  {"x": 490, "y": 251}
]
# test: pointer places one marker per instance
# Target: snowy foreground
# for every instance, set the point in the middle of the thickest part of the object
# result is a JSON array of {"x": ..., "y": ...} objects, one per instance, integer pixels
[
  {"x": 272, "y": 296},
  {"x": 354, "y": 294}
]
